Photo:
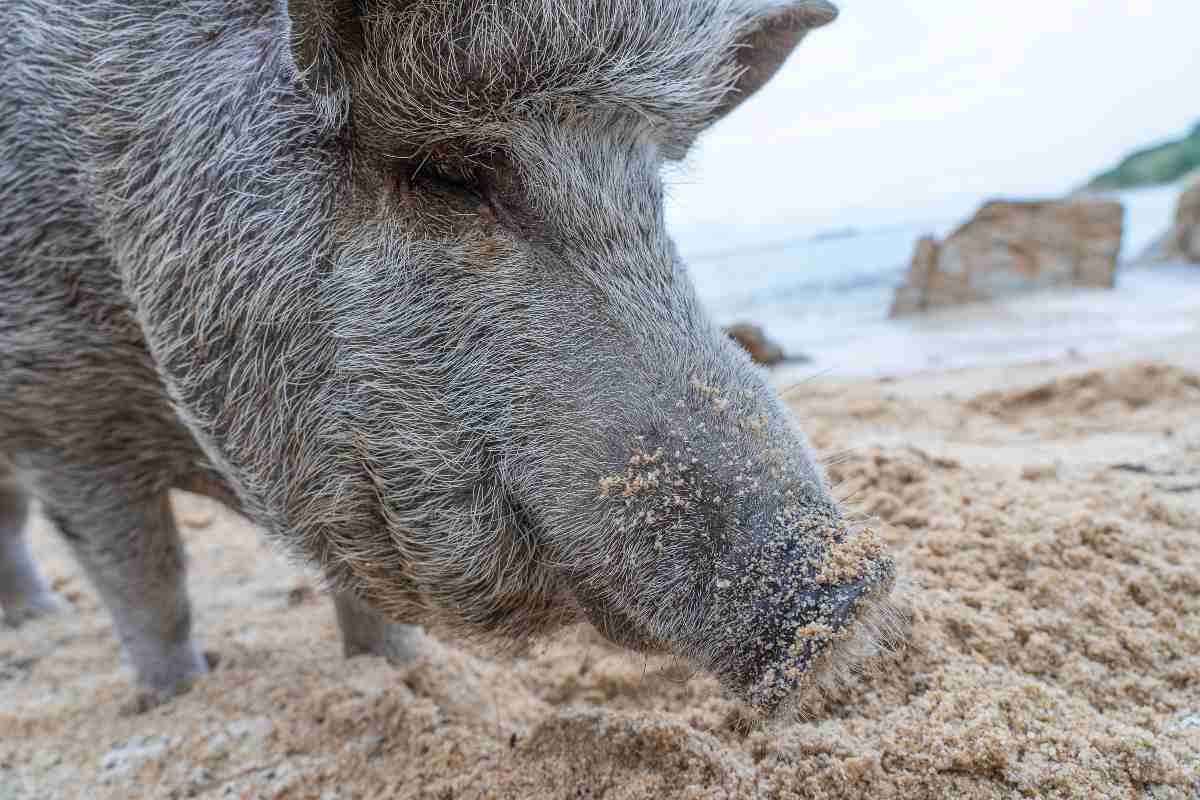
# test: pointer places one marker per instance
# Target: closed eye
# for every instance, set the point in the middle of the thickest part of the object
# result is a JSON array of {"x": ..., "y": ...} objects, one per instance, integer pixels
[
  {"x": 451, "y": 183},
  {"x": 435, "y": 176},
  {"x": 483, "y": 183}
]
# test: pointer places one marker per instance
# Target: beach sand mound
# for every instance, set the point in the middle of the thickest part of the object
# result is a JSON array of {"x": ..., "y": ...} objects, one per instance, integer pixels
[
  {"x": 1128, "y": 388},
  {"x": 1055, "y": 644}
]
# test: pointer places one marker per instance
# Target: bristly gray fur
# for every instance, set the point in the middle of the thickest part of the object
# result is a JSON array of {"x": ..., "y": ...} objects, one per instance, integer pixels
[{"x": 401, "y": 293}]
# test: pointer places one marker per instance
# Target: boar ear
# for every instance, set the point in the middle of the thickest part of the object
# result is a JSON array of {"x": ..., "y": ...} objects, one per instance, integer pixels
[
  {"x": 769, "y": 40},
  {"x": 324, "y": 38}
]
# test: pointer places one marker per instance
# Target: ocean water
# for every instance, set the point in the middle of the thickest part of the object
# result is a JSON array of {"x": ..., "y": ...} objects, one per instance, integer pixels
[{"x": 826, "y": 295}]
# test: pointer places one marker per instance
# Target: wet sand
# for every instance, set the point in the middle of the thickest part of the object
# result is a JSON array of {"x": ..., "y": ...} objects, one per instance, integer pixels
[{"x": 1046, "y": 514}]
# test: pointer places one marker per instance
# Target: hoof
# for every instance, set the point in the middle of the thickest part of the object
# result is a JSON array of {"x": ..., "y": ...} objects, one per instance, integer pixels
[
  {"x": 45, "y": 604},
  {"x": 166, "y": 675},
  {"x": 144, "y": 700}
]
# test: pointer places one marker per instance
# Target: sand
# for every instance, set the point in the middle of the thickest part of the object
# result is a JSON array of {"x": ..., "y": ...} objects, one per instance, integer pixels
[{"x": 1046, "y": 515}]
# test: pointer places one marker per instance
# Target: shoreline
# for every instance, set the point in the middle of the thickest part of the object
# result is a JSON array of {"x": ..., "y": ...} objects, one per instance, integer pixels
[{"x": 1150, "y": 308}]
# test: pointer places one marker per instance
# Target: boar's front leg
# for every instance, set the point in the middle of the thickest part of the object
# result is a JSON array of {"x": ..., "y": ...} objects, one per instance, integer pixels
[
  {"x": 132, "y": 553},
  {"x": 23, "y": 592},
  {"x": 365, "y": 632}
]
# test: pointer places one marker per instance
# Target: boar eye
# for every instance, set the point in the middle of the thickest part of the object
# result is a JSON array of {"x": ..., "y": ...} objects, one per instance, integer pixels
[{"x": 438, "y": 177}]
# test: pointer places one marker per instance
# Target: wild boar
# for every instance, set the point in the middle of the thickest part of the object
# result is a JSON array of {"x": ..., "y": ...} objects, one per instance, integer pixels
[{"x": 391, "y": 278}]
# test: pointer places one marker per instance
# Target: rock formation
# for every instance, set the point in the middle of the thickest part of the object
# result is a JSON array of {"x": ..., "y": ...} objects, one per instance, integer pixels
[
  {"x": 755, "y": 342},
  {"x": 1012, "y": 247},
  {"x": 1183, "y": 240}
]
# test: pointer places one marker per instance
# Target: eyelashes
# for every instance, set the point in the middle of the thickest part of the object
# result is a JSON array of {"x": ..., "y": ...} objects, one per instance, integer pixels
[
  {"x": 434, "y": 176},
  {"x": 483, "y": 185},
  {"x": 460, "y": 188},
  {"x": 464, "y": 179}
]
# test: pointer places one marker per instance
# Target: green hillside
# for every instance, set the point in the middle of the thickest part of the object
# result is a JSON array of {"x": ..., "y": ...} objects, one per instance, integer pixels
[{"x": 1161, "y": 164}]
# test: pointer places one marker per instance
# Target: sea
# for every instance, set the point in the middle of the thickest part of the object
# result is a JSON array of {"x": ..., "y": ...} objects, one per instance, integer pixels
[{"x": 824, "y": 296}]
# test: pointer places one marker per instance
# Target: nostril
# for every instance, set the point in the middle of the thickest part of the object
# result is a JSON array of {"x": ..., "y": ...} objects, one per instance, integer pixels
[
  {"x": 847, "y": 600},
  {"x": 852, "y": 623},
  {"x": 809, "y": 590}
]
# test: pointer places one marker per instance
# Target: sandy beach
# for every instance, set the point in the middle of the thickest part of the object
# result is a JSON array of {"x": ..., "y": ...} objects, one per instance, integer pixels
[{"x": 1046, "y": 515}]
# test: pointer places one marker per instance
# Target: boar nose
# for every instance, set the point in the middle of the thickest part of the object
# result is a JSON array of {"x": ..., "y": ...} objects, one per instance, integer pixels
[{"x": 801, "y": 597}]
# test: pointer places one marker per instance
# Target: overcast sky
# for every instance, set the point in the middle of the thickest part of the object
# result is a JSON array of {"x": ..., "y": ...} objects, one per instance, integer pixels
[{"x": 912, "y": 110}]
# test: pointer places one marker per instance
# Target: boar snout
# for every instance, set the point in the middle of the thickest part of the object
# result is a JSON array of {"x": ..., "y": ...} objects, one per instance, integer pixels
[
  {"x": 806, "y": 605},
  {"x": 739, "y": 560}
]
